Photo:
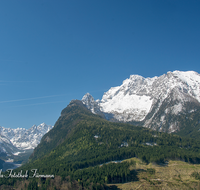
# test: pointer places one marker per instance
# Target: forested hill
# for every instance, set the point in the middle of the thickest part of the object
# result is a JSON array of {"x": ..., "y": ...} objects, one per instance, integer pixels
[
  {"x": 82, "y": 140},
  {"x": 63, "y": 128}
]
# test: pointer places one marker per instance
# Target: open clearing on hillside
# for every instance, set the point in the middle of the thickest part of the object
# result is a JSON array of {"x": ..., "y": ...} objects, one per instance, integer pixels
[{"x": 175, "y": 175}]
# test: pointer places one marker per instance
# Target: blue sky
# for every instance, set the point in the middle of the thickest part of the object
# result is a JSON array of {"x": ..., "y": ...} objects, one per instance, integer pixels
[{"x": 54, "y": 51}]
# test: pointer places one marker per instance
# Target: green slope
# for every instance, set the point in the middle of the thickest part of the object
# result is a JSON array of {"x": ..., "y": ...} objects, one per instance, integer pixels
[
  {"x": 71, "y": 143},
  {"x": 63, "y": 128},
  {"x": 81, "y": 141}
]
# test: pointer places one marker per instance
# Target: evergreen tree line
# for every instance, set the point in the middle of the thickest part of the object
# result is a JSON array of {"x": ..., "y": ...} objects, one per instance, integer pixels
[
  {"x": 80, "y": 142},
  {"x": 82, "y": 150}
]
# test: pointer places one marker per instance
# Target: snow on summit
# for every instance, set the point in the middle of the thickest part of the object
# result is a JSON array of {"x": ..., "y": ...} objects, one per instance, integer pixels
[
  {"x": 138, "y": 96},
  {"x": 191, "y": 79},
  {"x": 25, "y": 138},
  {"x": 122, "y": 102}
]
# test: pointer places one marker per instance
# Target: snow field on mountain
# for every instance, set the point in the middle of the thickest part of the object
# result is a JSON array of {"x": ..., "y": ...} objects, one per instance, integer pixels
[
  {"x": 156, "y": 97},
  {"x": 24, "y": 139},
  {"x": 126, "y": 103},
  {"x": 192, "y": 82}
]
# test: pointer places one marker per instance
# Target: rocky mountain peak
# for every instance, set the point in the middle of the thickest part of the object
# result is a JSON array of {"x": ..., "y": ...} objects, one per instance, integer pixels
[
  {"x": 147, "y": 100},
  {"x": 22, "y": 138},
  {"x": 90, "y": 103}
]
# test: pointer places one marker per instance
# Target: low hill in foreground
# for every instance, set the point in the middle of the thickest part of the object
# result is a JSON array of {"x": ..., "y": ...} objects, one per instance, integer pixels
[
  {"x": 174, "y": 175},
  {"x": 80, "y": 142}
]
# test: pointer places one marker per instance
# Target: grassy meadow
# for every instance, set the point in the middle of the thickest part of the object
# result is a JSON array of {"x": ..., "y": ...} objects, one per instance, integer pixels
[{"x": 174, "y": 175}]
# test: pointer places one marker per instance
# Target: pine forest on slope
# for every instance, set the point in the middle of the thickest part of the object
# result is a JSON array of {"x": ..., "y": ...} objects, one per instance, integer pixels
[
  {"x": 84, "y": 137},
  {"x": 80, "y": 141}
]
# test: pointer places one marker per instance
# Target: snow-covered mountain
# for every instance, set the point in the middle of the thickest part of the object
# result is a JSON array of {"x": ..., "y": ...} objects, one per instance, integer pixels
[
  {"x": 150, "y": 102},
  {"x": 24, "y": 139},
  {"x": 6, "y": 146},
  {"x": 16, "y": 145}
]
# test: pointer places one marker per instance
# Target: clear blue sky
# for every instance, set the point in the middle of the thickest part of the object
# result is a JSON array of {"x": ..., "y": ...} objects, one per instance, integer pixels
[{"x": 54, "y": 51}]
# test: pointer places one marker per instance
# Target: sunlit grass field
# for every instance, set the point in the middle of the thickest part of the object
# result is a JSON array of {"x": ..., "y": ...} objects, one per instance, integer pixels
[{"x": 174, "y": 175}]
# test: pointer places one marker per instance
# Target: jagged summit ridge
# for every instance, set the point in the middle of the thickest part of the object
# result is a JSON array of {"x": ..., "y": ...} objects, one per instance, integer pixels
[
  {"x": 90, "y": 103},
  {"x": 25, "y": 138},
  {"x": 140, "y": 99}
]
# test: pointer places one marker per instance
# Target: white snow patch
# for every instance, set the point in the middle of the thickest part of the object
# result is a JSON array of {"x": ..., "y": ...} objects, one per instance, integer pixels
[
  {"x": 162, "y": 118},
  {"x": 16, "y": 153},
  {"x": 177, "y": 108},
  {"x": 128, "y": 103},
  {"x": 172, "y": 128},
  {"x": 138, "y": 96},
  {"x": 192, "y": 79}
]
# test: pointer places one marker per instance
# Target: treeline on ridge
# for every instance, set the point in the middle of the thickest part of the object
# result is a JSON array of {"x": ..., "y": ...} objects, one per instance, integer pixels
[{"x": 81, "y": 141}]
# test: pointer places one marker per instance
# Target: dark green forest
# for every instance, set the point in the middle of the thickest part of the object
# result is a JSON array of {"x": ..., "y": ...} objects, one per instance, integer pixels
[{"x": 81, "y": 142}]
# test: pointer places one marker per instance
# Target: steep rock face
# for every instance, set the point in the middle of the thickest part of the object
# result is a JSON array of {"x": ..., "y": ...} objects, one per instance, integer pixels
[
  {"x": 150, "y": 102},
  {"x": 92, "y": 105}
]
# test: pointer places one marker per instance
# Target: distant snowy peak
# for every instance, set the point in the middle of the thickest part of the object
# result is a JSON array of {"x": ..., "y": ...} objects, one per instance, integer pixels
[
  {"x": 6, "y": 146},
  {"x": 25, "y": 138},
  {"x": 141, "y": 99},
  {"x": 40, "y": 129},
  {"x": 31, "y": 138}
]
